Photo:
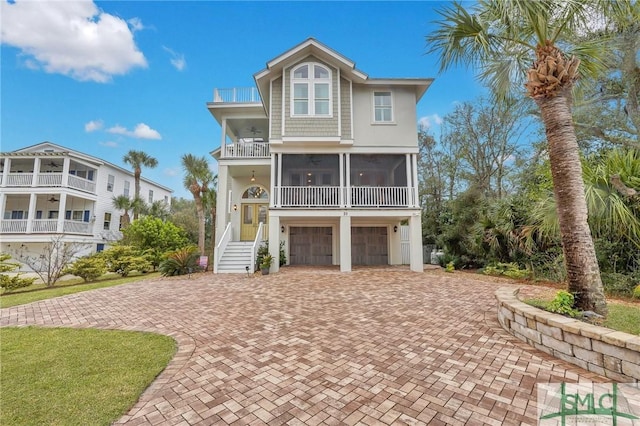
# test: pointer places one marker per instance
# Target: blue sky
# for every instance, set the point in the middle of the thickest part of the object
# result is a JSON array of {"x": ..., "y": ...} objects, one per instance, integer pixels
[{"x": 107, "y": 77}]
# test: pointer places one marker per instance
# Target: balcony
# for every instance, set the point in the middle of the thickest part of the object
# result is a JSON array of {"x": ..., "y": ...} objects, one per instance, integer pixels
[
  {"x": 50, "y": 180},
  {"x": 337, "y": 197},
  {"x": 247, "y": 150},
  {"x": 45, "y": 226},
  {"x": 236, "y": 95}
]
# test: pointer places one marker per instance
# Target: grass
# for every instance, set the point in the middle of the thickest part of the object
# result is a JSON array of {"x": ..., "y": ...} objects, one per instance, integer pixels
[
  {"x": 37, "y": 292},
  {"x": 58, "y": 376},
  {"x": 622, "y": 316}
]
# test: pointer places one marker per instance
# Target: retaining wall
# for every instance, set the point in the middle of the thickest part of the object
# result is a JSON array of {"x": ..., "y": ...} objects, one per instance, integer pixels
[{"x": 610, "y": 353}]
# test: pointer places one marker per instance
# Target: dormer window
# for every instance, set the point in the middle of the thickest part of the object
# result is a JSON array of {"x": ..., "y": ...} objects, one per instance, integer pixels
[{"x": 311, "y": 91}]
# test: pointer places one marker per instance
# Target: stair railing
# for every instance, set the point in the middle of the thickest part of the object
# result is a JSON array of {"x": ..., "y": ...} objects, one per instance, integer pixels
[
  {"x": 255, "y": 246},
  {"x": 221, "y": 247}
]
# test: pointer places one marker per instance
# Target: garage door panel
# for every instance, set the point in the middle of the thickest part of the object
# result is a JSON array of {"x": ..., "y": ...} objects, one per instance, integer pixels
[
  {"x": 310, "y": 245},
  {"x": 369, "y": 246}
]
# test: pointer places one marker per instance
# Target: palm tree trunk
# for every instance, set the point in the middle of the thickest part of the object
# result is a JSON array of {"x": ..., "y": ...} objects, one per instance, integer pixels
[
  {"x": 200, "y": 213},
  {"x": 583, "y": 272},
  {"x": 136, "y": 182}
]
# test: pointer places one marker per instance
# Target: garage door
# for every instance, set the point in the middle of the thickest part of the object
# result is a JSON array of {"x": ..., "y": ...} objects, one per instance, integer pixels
[
  {"x": 369, "y": 246},
  {"x": 310, "y": 245}
]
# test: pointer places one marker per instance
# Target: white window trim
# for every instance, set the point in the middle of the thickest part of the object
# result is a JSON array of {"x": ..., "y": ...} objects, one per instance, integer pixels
[
  {"x": 373, "y": 108},
  {"x": 310, "y": 81}
]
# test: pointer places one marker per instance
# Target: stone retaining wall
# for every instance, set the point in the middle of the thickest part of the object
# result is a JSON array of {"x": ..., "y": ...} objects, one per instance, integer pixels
[{"x": 613, "y": 354}]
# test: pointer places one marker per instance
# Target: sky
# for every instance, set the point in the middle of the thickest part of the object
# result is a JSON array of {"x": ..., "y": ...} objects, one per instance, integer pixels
[{"x": 107, "y": 77}]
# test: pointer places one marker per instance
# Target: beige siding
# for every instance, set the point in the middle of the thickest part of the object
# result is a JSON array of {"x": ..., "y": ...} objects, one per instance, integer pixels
[
  {"x": 276, "y": 108},
  {"x": 345, "y": 94},
  {"x": 311, "y": 126}
]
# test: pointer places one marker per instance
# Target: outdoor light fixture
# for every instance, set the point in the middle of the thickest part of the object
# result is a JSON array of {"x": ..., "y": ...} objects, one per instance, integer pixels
[
  {"x": 395, "y": 228},
  {"x": 235, "y": 207},
  {"x": 282, "y": 229},
  {"x": 253, "y": 176}
]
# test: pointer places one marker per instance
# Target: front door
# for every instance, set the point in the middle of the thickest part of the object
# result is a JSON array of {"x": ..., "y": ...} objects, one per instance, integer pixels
[{"x": 252, "y": 215}]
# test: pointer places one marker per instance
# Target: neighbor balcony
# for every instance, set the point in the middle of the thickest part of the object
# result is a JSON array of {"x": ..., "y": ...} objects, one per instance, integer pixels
[
  {"x": 50, "y": 180},
  {"x": 236, "y": 95},
  {"x": 45, "y": 226}
]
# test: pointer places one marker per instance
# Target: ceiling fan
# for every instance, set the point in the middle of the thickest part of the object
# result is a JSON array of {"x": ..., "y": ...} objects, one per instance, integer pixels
[
  {"x": 53, "y": 199},
  {"x": 52, "y": 164},
  {"x": 254, "y": 130}
]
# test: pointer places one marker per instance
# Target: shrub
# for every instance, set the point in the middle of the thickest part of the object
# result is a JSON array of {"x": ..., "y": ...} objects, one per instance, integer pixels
[
  {"x": 124, "y": 259},
  {"x": 511, "y": 270},
  {"x": 450, "y": 267},
  {"x": 88, "y": 268},
  {"x": 636, "y": 292},
  {"x": 180, "y": 262},
  {"x": 618, "y": 284},
  {"x": 10, "y": 283},
  {"x": 563, "y": 304}
]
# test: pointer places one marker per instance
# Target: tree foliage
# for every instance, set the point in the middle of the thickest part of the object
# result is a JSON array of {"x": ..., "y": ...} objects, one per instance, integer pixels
[
  {"x": 154, "y": 237},
  {"x": 14, "y": 281}
]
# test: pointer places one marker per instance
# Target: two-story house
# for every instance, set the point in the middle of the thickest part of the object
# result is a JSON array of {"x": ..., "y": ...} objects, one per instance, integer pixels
[
  {"x": 48, "y": 190},
  {"x": 321, "y": 159}
]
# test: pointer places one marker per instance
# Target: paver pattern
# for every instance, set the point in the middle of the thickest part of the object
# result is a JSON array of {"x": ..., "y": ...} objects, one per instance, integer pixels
[{"x": 376, "y": 346}]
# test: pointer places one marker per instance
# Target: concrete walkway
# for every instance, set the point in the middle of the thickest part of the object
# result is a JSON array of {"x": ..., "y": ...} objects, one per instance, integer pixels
[{"x": 306, "y": 347}]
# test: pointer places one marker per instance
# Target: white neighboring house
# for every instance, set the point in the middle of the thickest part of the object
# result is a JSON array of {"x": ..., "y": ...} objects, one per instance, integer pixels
[
  {"x": 320, "y": 158},
  {"x": 49, "y": 190}
]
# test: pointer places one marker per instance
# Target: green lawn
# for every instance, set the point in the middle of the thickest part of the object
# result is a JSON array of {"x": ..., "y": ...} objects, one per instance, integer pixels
[
  {"x": 55, "y": 376},
  {"x": 622, "y": 316},
  {"x": 37, "y": 292}
]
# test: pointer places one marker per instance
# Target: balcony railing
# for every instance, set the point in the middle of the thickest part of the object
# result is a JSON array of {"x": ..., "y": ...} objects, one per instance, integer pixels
[
  {"x": 334, "y": 196},
  {"x": 77, "y": 227},
  {"x": 49, "y": 179},
  {"x": 247, "y": 150},
  {"x": 236, "y": 95},
  {"x": 19, "y": 179},
  {"x": 44, "y": 226},
  {"x": 81, "y": 184},
  {"x": 13, "y": 226}
]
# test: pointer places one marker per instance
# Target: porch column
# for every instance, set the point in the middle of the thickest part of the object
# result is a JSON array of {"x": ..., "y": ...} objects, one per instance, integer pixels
[
  {"x": 3, "y": 204},
  {"x": 62, "y": 206},
  {"x": 274, "y": 242},
  {"x": 341, "y": 194},
  {"x": 409, "y": 180},
  {"x": 33, "y": 198},
  {"x": 223, "y": 139},
  {"x": 416, "y": 192},
  {"x": 66, "y": 162},
  {"x": 222, "y": 202},
  {"x": 415, "y": 243},
  {"x": 348, "y": 182},
  {"x": 273, "y": 192},
  {"x": 395, "y": 241},
  {"x": 345, "y": 243},
  {"x": 279, "y": 174},
  {"x": 36, "y": 172},
  {"x": 5, "y": 172}
]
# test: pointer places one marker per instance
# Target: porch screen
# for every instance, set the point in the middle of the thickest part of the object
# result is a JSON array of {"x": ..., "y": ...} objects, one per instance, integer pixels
[
  {"x": 378, "y": 170},
  {"x": 310, "y": 170}
]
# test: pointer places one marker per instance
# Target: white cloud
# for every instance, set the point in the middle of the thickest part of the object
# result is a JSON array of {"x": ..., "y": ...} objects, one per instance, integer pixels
[
  {"x": 141, "y": 131},
  {"x": 93, "y": 125},
  {"x": 177, "y": 59},
  {"x": 429, "y": 121},
  {"x": 170, "y": 172},
  {"x": 71, "y": 38},
  {"x": 109, "y": 144},
  {"x": 135, "y": 24}
]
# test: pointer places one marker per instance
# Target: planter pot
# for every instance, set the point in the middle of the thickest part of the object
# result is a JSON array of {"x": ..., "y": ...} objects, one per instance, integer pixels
[{"x": 265, "y": 271}]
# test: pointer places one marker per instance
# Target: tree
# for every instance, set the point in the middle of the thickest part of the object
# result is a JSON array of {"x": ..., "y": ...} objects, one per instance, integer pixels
[
  {"x": 154, "y": 237},
  {"x": 13, "y": 282},
  {"x": 197, "y": 179},
  {"x": 183, "y": 215},
  {"x": 124, "y": 203},
  {"x": 158, "y": 209},
  {"x": 50, "y": 265},
  {"x": 511, "y": 39},
  {"x": 138, "y": 159}
]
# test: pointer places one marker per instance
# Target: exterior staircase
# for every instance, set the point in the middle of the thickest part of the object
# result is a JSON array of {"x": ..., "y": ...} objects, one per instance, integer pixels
[{"x": 236, "y": 258}]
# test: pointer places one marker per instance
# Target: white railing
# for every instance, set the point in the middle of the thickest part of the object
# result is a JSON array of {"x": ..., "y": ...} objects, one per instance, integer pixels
[
  {"x": 236, "y": 95},
  {"x": 44, "y": 226},
  {"x": 77, "y": 227},
  {"x": 256, "y": 246},
  {"x": 19, "y": 179},
  {"x": 379, "y": 196},
  {"x": 81, "y": 184},
  {"x": 49, "y": 179},
  {"x": 247, "y": 150},
  {"x": 309, "y": 196},
  {"x": 13, "y": 226},
  {"x": 221, "y": 247}
]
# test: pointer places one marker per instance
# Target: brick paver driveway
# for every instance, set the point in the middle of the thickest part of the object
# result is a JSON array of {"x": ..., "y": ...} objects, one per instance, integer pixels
[{"x": 375, "y": 346}]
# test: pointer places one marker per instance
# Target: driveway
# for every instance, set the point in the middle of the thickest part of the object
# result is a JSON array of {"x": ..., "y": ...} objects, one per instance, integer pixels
[{"x": 376, "y": 346}]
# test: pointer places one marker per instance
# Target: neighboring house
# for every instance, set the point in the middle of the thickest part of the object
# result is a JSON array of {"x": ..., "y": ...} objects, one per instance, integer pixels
[
  {"x": 49, "y": 190},
  {"x": 321, "y": 159}
]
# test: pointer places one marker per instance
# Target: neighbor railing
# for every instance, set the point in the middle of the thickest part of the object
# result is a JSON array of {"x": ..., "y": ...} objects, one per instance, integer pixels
[
  {"x": 220, "y": 248},
  {"x": 236, "y": 95},
  {"x": 19, "y": 179},
  {"x": 81, "y": 184},
  {"x": 49, "y": 179},
  {"x": 13, "y": 226},
  {"x": 77, "y": 227},
  {"x": 44, "y": 225}
]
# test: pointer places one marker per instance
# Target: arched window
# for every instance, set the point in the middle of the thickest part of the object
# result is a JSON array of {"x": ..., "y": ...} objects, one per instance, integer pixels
[
  {"x": 255, "y": 193},
  {"x": 311, "y": 90}
]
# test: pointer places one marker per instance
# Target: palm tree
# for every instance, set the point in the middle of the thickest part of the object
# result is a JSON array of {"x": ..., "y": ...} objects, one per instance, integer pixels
[
  {"x": 197, "y": 179},
  {"x": 211, "y": 200},
  {"x": 158, "y": 209},
  {"x": 138, "y": 159},
  {"x": 122, "y": 202},
  {"x": 514, "y": 40}
]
